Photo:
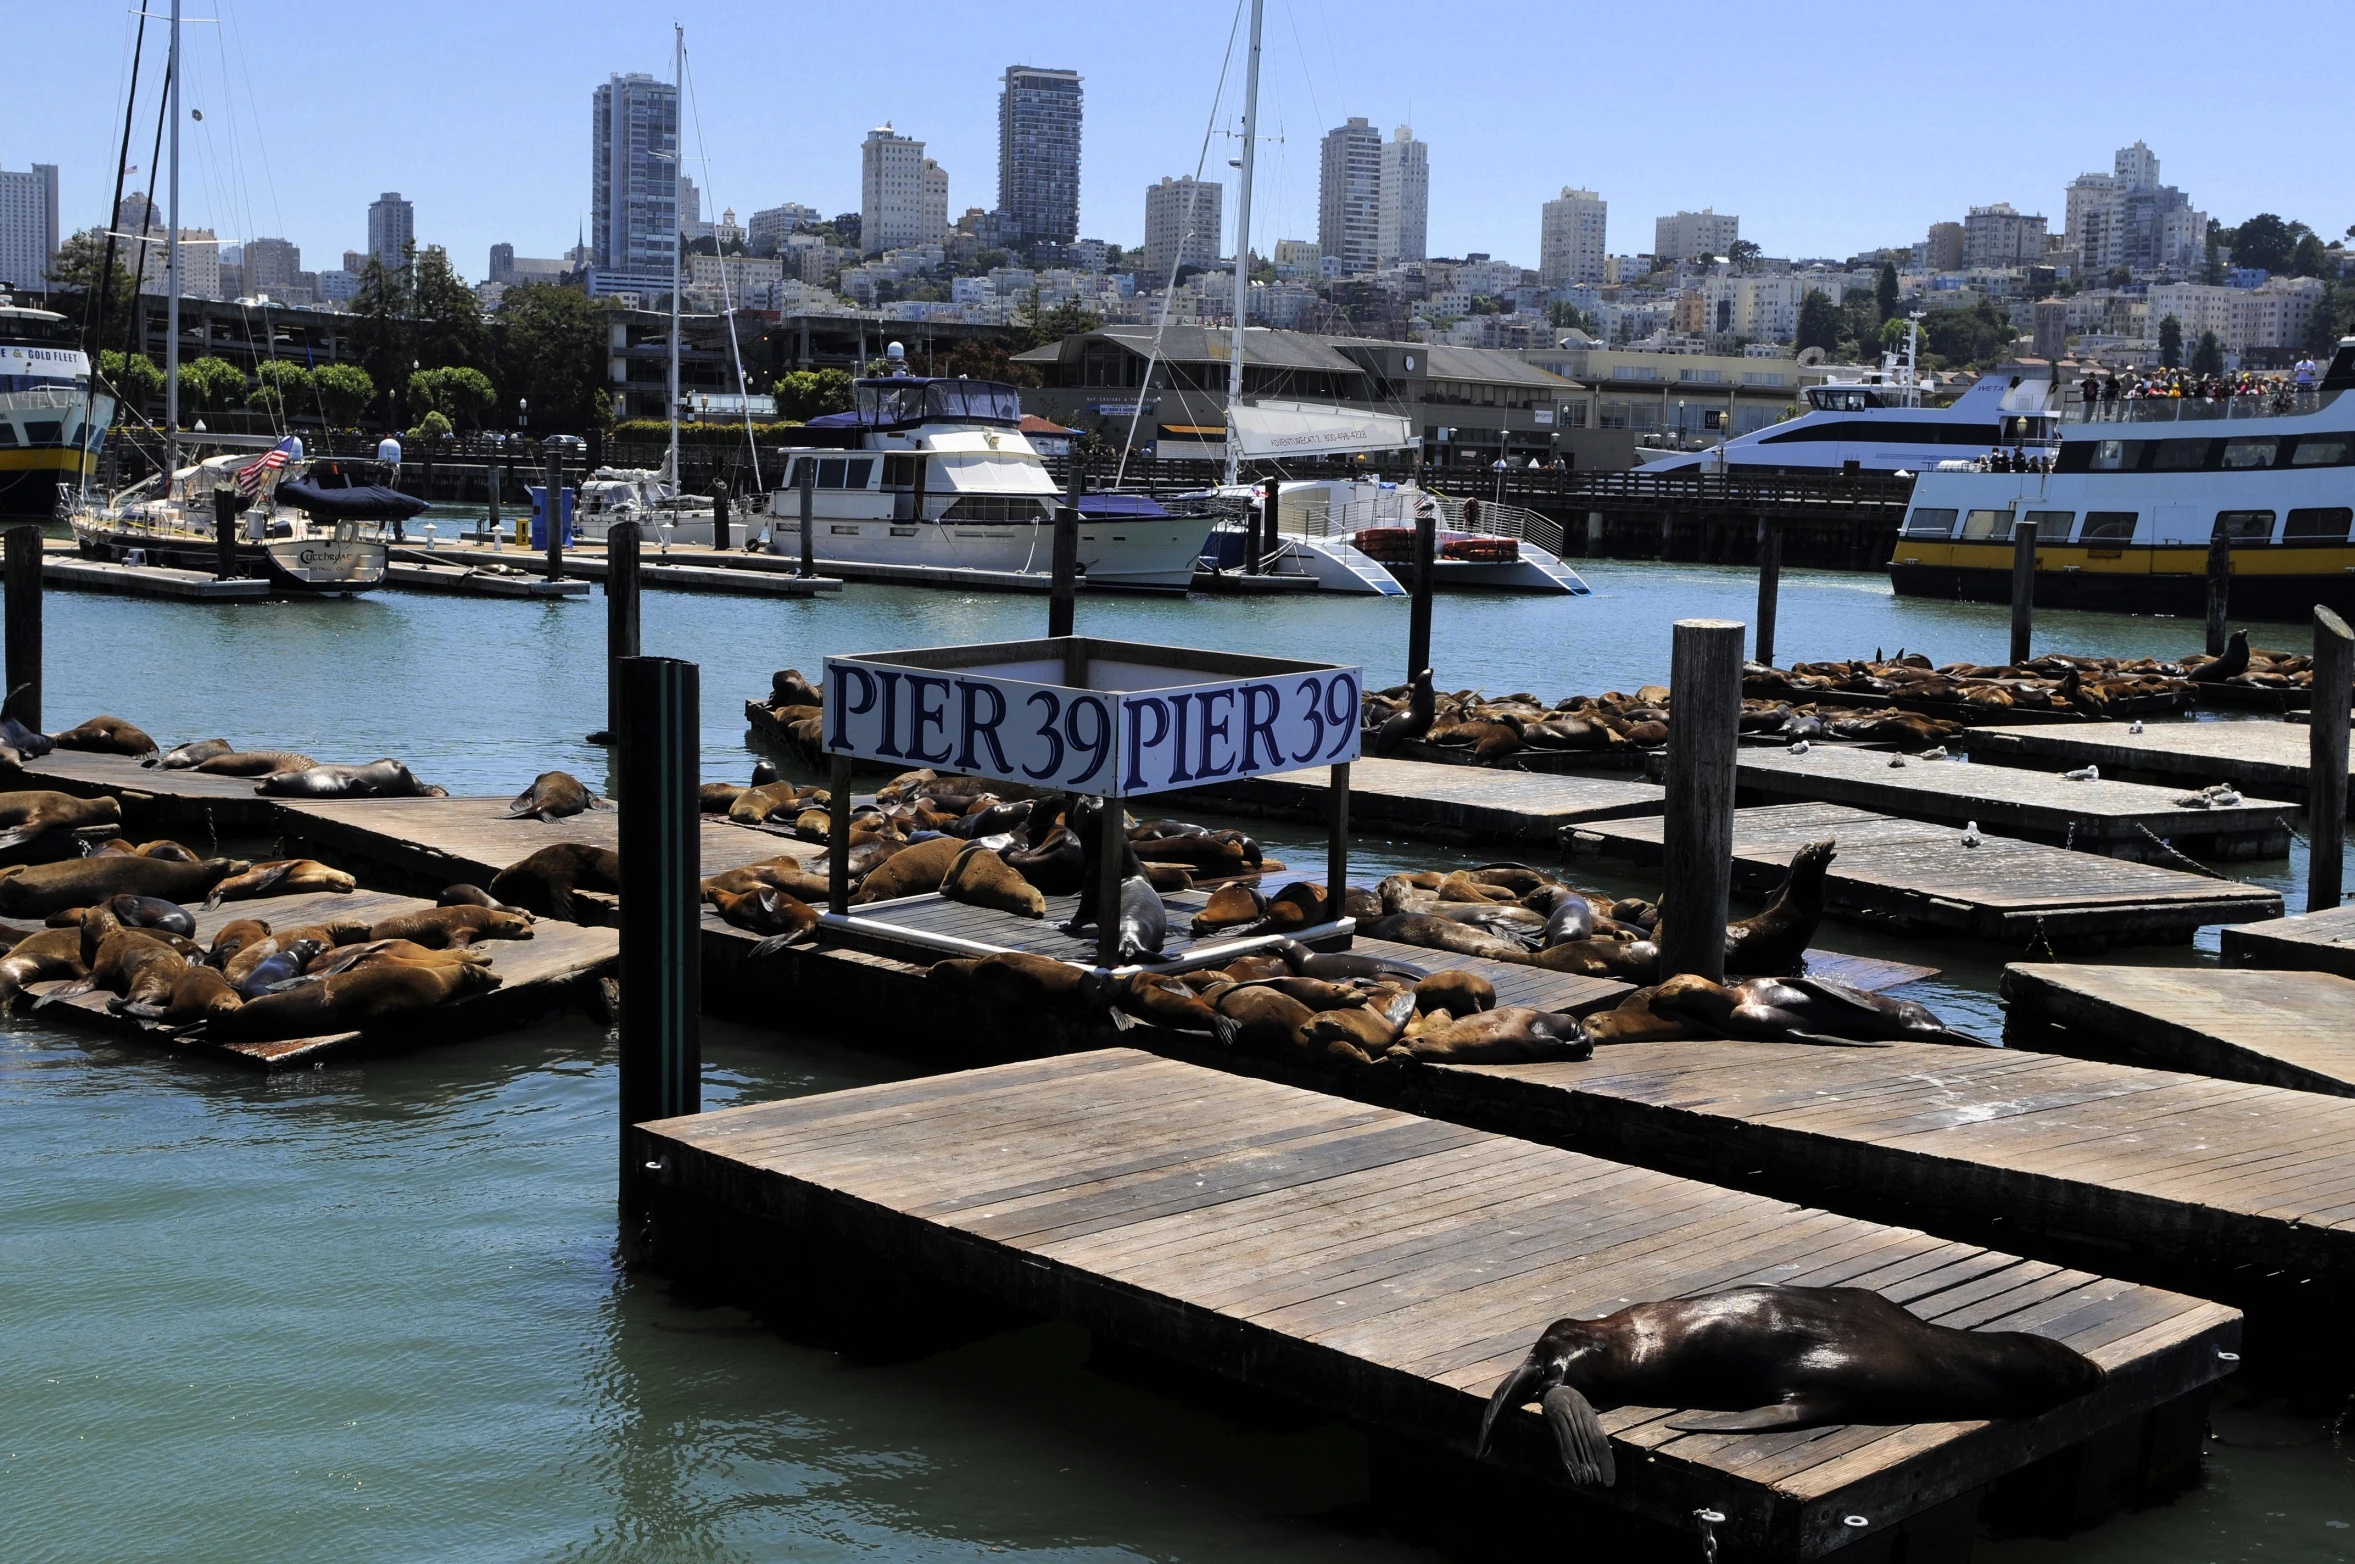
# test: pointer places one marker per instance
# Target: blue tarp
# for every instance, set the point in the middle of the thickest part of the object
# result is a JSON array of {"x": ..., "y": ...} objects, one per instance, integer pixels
[{"x": 360, "y": 502}]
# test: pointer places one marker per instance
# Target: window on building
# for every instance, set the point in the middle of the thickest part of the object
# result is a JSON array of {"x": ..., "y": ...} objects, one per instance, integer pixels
[
  {"x": 1929, "y": 522},
  {"x": 2246, "y": 526},
  {"x": 2320, "y": 524},
  {"x": 2107, "y": 526}
]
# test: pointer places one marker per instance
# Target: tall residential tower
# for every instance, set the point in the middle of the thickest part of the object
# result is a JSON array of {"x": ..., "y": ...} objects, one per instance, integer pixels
[
  {"x": 1402, "y": 203},
  {"x": 1349, "y": 196},
  {"x": 634, "y": 196},
  {"x": 392, "y": 229},
  {"x": 1570, "y": 237},
  {"x": 28, "y": 225},
  {"x": 1038, "y": 156}
]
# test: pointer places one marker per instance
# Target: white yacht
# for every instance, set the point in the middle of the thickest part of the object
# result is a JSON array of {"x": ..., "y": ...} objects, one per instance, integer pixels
[
  {"x": 931, "y": 474},
  {"x": 1357, "y": 535},
  {"x": 304, "y": 528}
]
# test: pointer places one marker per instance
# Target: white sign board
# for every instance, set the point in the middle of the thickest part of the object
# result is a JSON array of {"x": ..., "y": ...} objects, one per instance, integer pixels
[
  {"x": 22, "y": 358},
  {"x": 1123, "y": 744}
]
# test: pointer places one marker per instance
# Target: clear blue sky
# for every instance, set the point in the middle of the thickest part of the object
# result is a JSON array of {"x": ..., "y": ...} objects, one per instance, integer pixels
[{"x": 1829, "y": 129}]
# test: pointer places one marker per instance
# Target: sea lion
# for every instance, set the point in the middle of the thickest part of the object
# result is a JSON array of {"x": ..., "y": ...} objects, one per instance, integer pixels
[
  {"x": 28, "y": 816},
  {"x": 781, "y": 872},
  {"x": 253, "y": 763},
  {"x": 1573, "y": 918},
  {"x": 378, "y": 779},
  {"x": 980, "y": 878},
  {"x": 20, "y": 742},
  {"x": 1360, "y": 1034},
  {"x": 1414, "y": 722},
  {"x": 163, "y": 847},
  {"x": 1140, "y": 923},
  {"x": 1161, "y": 1000},
  {"x": 912, "y": 871},
  {"x": 275, "y": 963},
  {"x": 1460, "y": 993},
  {"x": 1758, "y": 1358},
  {"x": 1342, "y": 967},
  {"x": 2234, "y": 661},
  {"x": 787, "y": 687},
  {"x": 233, "y": 937},
  {"x": 41, "y": 958},
  {"x": 366, "y": 996},
  {"x": 758, "y": 805},
  {"x": 86, "y": 882},
  {"x": 189, "y": 756},
  {"x": 475, "y": 896},
  {"x": 201, "y": 991},
  {"x": 1774, "y": 943},
  {"x": 343, "y": 958},
  {"x": 1511, "y": 1034},
  {"x": 1315, "y": 993},
  {"x": 548, "y": 881},
  {"x": 138, "y": 968},
  {"x": 765, "y": 910},
  {"x": 1415, "y": 928},
  {"x": 1819, "y": 1009},
  {"x": 1631, "y": 961},
  {"x": 283, "y": 877},
  {"x": 149, "y": 912},
  {"x": 443, "y": 927},
  {"x": 1229, "y": 905},
  {"x": 1264, "y": 1018},
  {"x": 1016, "y": 977},
  {"x": 717, "y": 798},
  {"x": 105, "y": 736},
  {"x": 1635, "y": 1021},
  {"x": 1084, "y": 818},
  {"x": 552, "y": 796}
]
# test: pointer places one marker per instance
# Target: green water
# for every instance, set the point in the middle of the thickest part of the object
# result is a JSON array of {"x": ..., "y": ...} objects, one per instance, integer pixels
[{"x": 373, "y": 1313}]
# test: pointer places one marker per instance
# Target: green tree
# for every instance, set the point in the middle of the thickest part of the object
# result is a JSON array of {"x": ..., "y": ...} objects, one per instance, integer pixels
[
  {"x": 381, "y": 326},
  {"x": 1819, "y": 322},
  {"x": 280, "y": 388},
  {"x": 2207, "y": 357},
  {"x": 1037, "y": 327},
  {"x": 459, "y": 393},
  {"x": 1860, "y": 325},
  {"x": 810, "y": 393},
  {"x": 2120, "y": 277},
  {"x": 1565, "y": 315},
  {"x": 1885, "y": 291},
  {"x": 446, "y": 329},
  {"x": 2171, "y": 343},
  {"x": 136, "y": 380},
  {"x": 1742, "y": 254},
  {"x": 79, "y": 262},
  {"x": 552, "y": 350},
  {"x": 343, "y": 393},
  {"x": 433, "y": 426},
  {"x": 210, "y": 384},
  {"x": 2264, "y": 241},
  {"x": 1962, "y": 338},
  {"x": 2324, "y": 326},
  {"x": 2306, "y": 257}
]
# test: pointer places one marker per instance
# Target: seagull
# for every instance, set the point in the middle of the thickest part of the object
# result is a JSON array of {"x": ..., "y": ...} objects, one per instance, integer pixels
[
  {"x": 2224, "y": 798},
  {"x": 1895, "y": 761},
  {"x": 2087, "y": 774},
  {"x": 1971, "y": 836},
  {"x": 1798, "y": 746},
  {"x": 1935, "y": 754},
  {"x": 2135, "y": 726}
]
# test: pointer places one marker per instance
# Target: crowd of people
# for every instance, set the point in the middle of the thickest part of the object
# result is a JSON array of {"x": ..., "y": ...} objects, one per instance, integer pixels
[{"x": 2101, "y": 394}]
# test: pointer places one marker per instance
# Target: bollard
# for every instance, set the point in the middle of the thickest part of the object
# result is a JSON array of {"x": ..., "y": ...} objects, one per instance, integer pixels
[
  {"x": 23, "y": 633},
  {"x": 552, "y": 519},
  {"x": 1112, "y": 854},
  {"x": 494, "y": 471},
  {"x": 1697, "y": 842},
  {"x": 621, "y": 622},
  {"x": 2219, "y": 586},
  {"x": 1336, "y": 841},
  {"x": 808, "y": 472},
  {"x": 226, "y": 503},
  {"x": 2023, "y": 588},
  {"x": 1064, "y": 584},
  {"x": 1770, "y": 585},
  {"x": 719, "y": 517},
  {"x": 1418, "y": 622},
  {"x": 2326, "y": 758},
  {"x": 838, "y": 836},
  {"x": 661, "y": 847}
]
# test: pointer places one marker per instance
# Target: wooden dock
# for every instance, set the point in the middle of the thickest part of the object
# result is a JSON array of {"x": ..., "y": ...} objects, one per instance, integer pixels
[
  {"x": 2120, "y": 819},
  {"x": 697, "y": 571},
  {"x": 1390, "y": 1270},
  {"x": 1425, "y": 799},
  {"x": 2311, "y": 941},
  {"x": 2290, "y": 1029},
  {"x": 541, "y": 976},
  {"x": 98, "y": 575},
  {"x": 2263, "y": 758},
  {"x": 153, "y": 799},
  {"x": 418, "y": 575},
  {"x": 1919, "y": 879}
]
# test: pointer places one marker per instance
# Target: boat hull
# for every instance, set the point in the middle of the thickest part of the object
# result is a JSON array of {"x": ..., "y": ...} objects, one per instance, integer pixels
[
  {"x": 1134, "y": 554},
  {"x": 2127, "y": 582},
  {"x": 304, "y": 566}
]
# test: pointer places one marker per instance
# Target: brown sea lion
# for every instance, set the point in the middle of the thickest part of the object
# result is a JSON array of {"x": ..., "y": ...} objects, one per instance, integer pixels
[
  {"x": 368, "y": 995},
  {"x": 189, "y": 756},
  {"x": 1245, "y": 968},
  {"x": 1758, "y": 1358},
  {"x": 200, "y": 992},
  {"x": 1411, "y": 724},
  {"x": 132, "y": 964},
  {"x": 1343, "y": 966},
  {"x": 1018, "y": 978},
  {"x": 253, "y": 763},
  {"x": 136, "y": 912},
  {"x": 163, "y": 847},
  {"x": 547, "y": 882},
  {"x": 757, "y": 805},
  {"x": 1774, "y": 943},
  {"x": 767, "y": 911},
  {"x": 27, "y": 817},
  {"x": 912, "y": 871},
  {"x": 1510, "y": 1034},
  {"x": 343, "y": 958},
  {"x": 978, "y": 877},
  {"x": 1264, "y": 1018},
  {"x": 787, "y": 687},
  {"x": 283, "y": 877},
  {"x": 716, "y": 798},
  {"x": 378, "y": 779},
  {"x": 475, "y": 896},
  {"x": 781, "y": 872},
  {"x": 233, "y": 937},
  {"x": 442, "y": 927},
  {"x": 552, "y": 796},
  {"x": 105, "y": 736},
  {"x": 1229, "y": 906},
  {"x": 1635, "y": 1021},
  {"x": 1414, "y": 928},
  {"x": 257, "y": 967},
  {"x": 82, "y": 882},
  {"x": 1163, "y": 1001},
  {"x": 1460, "y": 993},
  {"x": 1359, "y": 1034},
  {"x": 1819, "y": 1010},
  {"x": 1631, "y": 961},
  {"x": 41, "y": 958}
]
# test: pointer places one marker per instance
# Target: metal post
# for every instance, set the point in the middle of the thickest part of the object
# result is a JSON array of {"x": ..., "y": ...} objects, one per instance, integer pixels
[
  {"x": 225, "y": 507},
  {"x": 838, "y": 838},
  {"x": 494, "y": 471},
  {"x": 1705, "y": 708},
  {"x": 1418, "y": 622},
  {"x": 2326, "y": 779},
  {"x": 552, "y": 512},
  {"x": 806, "y": 471},
  {"x": 621, "y": 623},
  {"x": 2219, "y": 586},
  {"x": 1112, "y": 854},
  {"x": 2023, "y": 589},
  {"x": 1336, "y": 840},
  {"x": 661, "y": 900},
  {"x": 1770, "y": 585},
  {"x": 1063, "y": 587},
  {"x": 719, "y": 517},
  {"x": 1259, "y": 530},
  {"x": 23, "y": 632}
]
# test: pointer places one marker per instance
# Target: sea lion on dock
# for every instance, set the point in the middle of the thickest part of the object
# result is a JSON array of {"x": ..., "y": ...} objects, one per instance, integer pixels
[
  {"x": 273, "y": 964},
  {"x": 345, "y": 957},
  {"x": 1015, "y": 977},
  {"x": 475, "y": 896},
  {"x": 1163, "y": 1001},
  {"x": 717, "y": 798},
  {"x": 85, "y": 882},
  {"x": 283, "y": 877},
  {"x": 1758, "y": 1358},
  {"x": 1635, "y": 1021},
  {"x": 758, "y": 805},
  {"x": 1820, "y": 1009},
  {"x": 1510, "y": 1034},
  {"x": 782, "y": 872},
  {"x": 105, "y": 736},
  {"x": 28, "y": 816},
  {"x": 1140, "y": 923},
  {"x": 552, "y": 796},
  {"x": 136, "y": 912},
  {"x": 189, "y": 756},
  {"x": 386, "y": 778},
  {"x": 368, "y": 995},
  {"x": 980, "y": 878},
  {"x": 233, "y": 937},
  {"x": 2235, "y": 660},
  {"x": 1414, "y": 722},
  {"x": 787, "y": 687},
  {"x": 1458, "y": 992},
  {"x": 41, "y": 958},
  {"x": 445, "y": 927},
  {"x": 1343, "y": 966},
  {"x": 1265, "y": 1019},
  {"x": 133, "y": 964},
  {"x": 164, "y": 847},
  {"x": 1774, "y": 943},
  {"x": 19, "y": 743},
  {"x": 765, "y": 910},
  {"x": 1415, "y": 928},
  {"x": 1229, "y": 906},
  {"x": 548, "y": 881},
  {"x": 1631, "y": 961},
  {"x": 914, "y": 870},
  {"x": 253, "y": 763},
  {"x": 201, "y": 991}
]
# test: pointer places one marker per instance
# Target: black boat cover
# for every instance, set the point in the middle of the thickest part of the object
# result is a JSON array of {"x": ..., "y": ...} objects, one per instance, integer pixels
[{"x": 361, "y": 502}]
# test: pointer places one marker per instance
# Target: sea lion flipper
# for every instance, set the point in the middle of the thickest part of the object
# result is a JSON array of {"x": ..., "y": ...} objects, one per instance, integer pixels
[
  {"x": 1794, "y": 1413},
  {"x": 1578, "y": 1434},
  {"x": 17, "y": 836},
  {"x": 1122, "y": 1020},
  {"x": 1821, "y": 1040}
]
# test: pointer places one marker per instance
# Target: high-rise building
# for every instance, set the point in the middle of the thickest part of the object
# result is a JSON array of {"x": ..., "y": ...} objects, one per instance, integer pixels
[
  {"x": 893, "y": 190},
  {"x": 933, "y": 220},
  {"x": 1349, "y": 196},
  {"x": 28, "y": 225},
  {"x": 1402, "y": 203},
  {"x": 1184, "y": 219},
  {"x": 2137, "y": 167},
  {"x": 1570, "y": 245},
  {"x": 392, "y": 229},
  {"x": 271, "y": 266},
  {"x": 765, "y": 234},
  {"x": 1038, "y": 156},
  {"x": 2127, "y": 218},
  {"x": 691, "y": 223},
  {"x": 1942, "y": 251},
  {"x": 1690, "y": 234},
  {"x": 2000, "y": 236},
  {"x": 634, "y": 194},
  {"x": 2091, "y": 218}
]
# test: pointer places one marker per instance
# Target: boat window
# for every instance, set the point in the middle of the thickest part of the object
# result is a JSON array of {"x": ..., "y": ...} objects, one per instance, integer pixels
[
  {"x": 858, "y": 472},
  {"x": 2116, "y": 455},
  {"x": 1927, "y": 522},
  {"x": 2318, "y": 524},
  {"x": 944, "y": 399},
  {"x": 7, "y": 433},
  {"x": 992, "y": 507},
  {"x": 2323, "y": 450},
  {"x": 899, "y": 472},
  {"x": 2180, "y": 455},
  {"x": 44, "y": 434},
  {"x": 2249, "y": 453},
  {"x": 1005, "y": 401},
  {"x": 2051, "y": 525},
  {"x": 2107, "y": 526},
  {"x": 1983, "y": 524},
  {"x": 2246, "y": 526}
]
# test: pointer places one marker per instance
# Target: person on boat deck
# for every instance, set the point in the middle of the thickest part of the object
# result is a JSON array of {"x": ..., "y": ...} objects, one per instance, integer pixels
[
  {"x": 2304, "y": 372},
  {"x": 388, "y": 451}
]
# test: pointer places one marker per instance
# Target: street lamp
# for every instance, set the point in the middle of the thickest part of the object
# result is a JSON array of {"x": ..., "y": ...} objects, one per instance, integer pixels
[{"x": 523, "y": 413}]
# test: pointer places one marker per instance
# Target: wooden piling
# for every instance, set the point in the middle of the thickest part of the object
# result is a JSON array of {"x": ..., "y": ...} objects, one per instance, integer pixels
[
  {"x": 837, "y": 819},
  {"x": 2023, "y": 588},
  {"x": 493, "y": 473},
  {"x": 2219, "y": 586},
  {"x": 2326, "y": 787},
  {"x": 1061, "y": 610},
  {"x": 225, "y": 506},
  {"x": 808, "y": 474},
  {"x": 552, "y": 512},
  {"x": 1112, "y": 844},
  {"x": 23, "y": 633},
  {"x": 1337, "y": 841},
  {"x": 661, "y": 846},
  {"x": 1770, "y": 582},
  {"x": 719, "y": 517},
  {"x": 1418, "y": 624},
  {"x": 1704, "y": 716},
  {"x": 621, "y": 621}
]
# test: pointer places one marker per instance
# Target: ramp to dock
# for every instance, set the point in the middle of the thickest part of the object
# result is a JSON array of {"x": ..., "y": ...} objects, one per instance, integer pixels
[
  {"x": 2311, "y": 942},
  {"x": 1391, "y": 1269},
  {"x": 2264, "y": 758},
  {"x": 1421, "y": 798},
  {"x": 2290, "y": 1029}
]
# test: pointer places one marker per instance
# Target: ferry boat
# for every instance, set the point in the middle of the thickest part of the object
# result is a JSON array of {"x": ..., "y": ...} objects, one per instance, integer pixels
[
  {"x": 2136, "y": 491},
  {"x": 305, "y": 536},
  {"x": 51, "y": 425},
  {"x": 935, "y": 474}
]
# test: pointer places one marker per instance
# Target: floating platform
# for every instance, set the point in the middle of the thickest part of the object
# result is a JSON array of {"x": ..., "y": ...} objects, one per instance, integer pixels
[
  {"x": 469, "y": 581},
  {"x": 2290, "y": 1029},
  {"x": 98, "y": 575},
  {"x": 1391, "y": 1270},
  {"x": 1919, "y": 879},
  {"x": 155, "y": 799},
  {"x": 2311, "y": 941},
  {"x": 2266, "y": 758},
  {"x": 541, "y": 976},
  {"x": 2119, "y": 819},
  {"x": 1571, "y": 762},
  {"x": 698, "y": 572},
  {"x": 1423, "y": 799}
]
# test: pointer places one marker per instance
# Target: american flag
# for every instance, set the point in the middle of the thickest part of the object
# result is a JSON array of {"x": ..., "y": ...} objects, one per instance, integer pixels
[{"x": 249, "y": 477}]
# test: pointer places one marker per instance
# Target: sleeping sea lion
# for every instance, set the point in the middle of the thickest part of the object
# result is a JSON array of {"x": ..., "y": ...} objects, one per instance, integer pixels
[
  {"x": 757, "y": 805},
  {"x": 980, "y": 878},
  {"x": 134, "y": 965},
  {"x": 552, "y": 796},
  {"x": 1264, "y": 1018},
  {"x": 717, "y": 798},
  {"x": 1631, "y": 961},
  {"x": 475, "y": 896},
  {"x": 1573, "y": 918},
  {"x": 787, "y": 687},
  {"x": 283, "y": 877},
  {"x": 765, "y": 910},
  {"x": 152, "y": 912},
  {"x": 1360, "y": 1034},
  {"x": 86, "y": 882},
  {"x": 1161, "y": 1000},
  {"x": 273, "y": 964},
  {"x": 163, "y": 847},
  {"x": 442, "y": 927},
  {"x": 911, "y": 871},
  {"x": 105, "y": 736},
  {"x": 233, "y": 937},
  {"x": 546, "y": 882},
  {"x": 1814, "y": 1009},
  {"x": 1016, "y": 977},
  {"x": 28, "y": 816},
  {"x": 1778, "y": 1358},
  {"x": 1635, "y": 1021},
  {"x": 1415, "y": 928},
  {"x": 189, "y": 756},
  {"x": 781, "y": 872},
  {"x": 1229, "y": 905},
  {"x": 41, "y": 958},
  {"x": 378, "y": 779},
  {"x": 1774, "y": 943},
  {"x": 1342, "y": 967},
  {"x": 1459, "y": 993},
  {"x": 366, "y": 996},
  {"x": 201, "y": 991},
  {"x": 343, "y": 958},
  {"x": 1511, "y": 1034},
  {"x": 253, "y": 763}
]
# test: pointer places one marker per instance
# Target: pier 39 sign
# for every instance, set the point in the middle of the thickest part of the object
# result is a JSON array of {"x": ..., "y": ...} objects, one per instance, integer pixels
[{"x": 1140, "y": 736}]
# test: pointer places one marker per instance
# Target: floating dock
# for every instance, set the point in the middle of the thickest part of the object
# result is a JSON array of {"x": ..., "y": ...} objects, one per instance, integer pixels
[
  {"x": 98, "y": 575},
  {"x": 541, "y": 976},
  {"x": 1919, "y": 879},
  {"x": 419, "y": 575},
  {"x": 155, "y": 799},
  {"x": 2265, "y": 758},
  {"x": 686, "y": 571},
  {"x": 1423, "y": 799},
  {"x": 1391, "y": 1270},
  {"x": 2311, "y": 941},
  {"x": 2290, "y": 1029},
  {"x": 2120, "y": 819}
]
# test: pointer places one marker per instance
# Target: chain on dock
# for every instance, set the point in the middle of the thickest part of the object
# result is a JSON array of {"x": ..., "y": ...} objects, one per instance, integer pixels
[{"x": 2172, "y": 851}]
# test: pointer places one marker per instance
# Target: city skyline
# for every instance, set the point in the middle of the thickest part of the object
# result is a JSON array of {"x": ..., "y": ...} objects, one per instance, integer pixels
[{"x": 522, "y": 179}]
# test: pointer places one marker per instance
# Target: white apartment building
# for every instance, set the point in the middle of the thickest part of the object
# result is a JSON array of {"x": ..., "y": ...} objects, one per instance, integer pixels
[
  {"x": 1299, "y": 258},
  {"x": 2000, "y": 235},
  {"x": 1688, "y": 234},
  {"x": 933, "y": 220},
  {"x": 1349, "y": 195},
  {"x": 2273, "y": 315},
  {"x": 769, "y": 226},
  {"x": 1570, "y": 246},
  {"x": 1183, "y": 221},
  {"x": 392, "y": 229},
  {"x": 28, "y": 225},
  {"x": 1403, "y": 200},
  {"x": 893, "y": 192},
  {"x": 718, "y": 281},
  {"x": 1764, "y": 308}
]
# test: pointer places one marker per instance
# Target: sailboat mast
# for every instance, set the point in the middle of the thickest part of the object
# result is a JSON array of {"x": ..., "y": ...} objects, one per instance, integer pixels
[
  {"x": 678, "y": 227},
  {"x": 172, "y": 267},
  {"x": 1243, "y": 247}
]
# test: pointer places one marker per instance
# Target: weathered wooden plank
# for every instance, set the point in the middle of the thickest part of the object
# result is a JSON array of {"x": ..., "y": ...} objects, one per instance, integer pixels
[
  {"x": 152, "y": 798},
  {"x": 2308, "y": 941},
  {"x": 1457, "y": 803},
  {"x": 2265, "y": 758},
  {"x": 2293, "y": 1029}
]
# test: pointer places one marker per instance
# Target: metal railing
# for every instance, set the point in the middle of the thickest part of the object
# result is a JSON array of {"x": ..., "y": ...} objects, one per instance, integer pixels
[{"x": 2199, "y": 409}]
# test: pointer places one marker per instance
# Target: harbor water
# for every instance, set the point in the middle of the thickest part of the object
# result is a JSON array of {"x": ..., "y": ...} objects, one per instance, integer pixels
[{"x": 374, "y": 1312}]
